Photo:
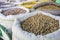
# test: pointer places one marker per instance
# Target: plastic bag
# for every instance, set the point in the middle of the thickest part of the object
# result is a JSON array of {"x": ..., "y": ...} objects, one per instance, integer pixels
[{"x": 23, "y": 35}]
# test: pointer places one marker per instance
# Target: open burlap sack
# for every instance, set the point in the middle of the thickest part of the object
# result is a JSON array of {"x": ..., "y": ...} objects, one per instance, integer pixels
[
  {"x": 23, "y": 35},
  {"x": 54, "y": 12},
  {"x": 8, "y": 21}
]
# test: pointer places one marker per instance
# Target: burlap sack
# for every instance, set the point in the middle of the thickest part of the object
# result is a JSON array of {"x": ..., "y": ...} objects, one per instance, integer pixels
[
  {"x": 54, "y": 12},
  {"x": 7, "y": 21},
  {"x": 23, "y": 35}
]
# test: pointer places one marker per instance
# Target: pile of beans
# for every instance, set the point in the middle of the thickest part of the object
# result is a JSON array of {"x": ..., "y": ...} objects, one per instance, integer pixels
[
  {"x": 40, "y": 24},
  {"x": 48, "y": 7},
  {"x": 13, "y": 11}
]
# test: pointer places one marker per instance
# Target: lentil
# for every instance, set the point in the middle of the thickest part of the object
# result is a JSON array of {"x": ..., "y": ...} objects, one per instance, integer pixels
[
  {"x": 13, "y": 11},
  {"x": 40, "y": 24}
]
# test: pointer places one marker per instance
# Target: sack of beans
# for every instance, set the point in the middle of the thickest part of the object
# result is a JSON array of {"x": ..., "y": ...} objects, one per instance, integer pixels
[
  {"x": 37, "y": 26},
  {"x": 51, "y": 7},
  {"x": 8, "y": 15}
]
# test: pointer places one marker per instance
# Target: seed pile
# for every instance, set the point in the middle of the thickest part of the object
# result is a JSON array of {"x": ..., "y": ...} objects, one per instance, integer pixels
[
  {"x": 40, "y": 24},
  {"x": 48, "y": 7},
  {"x": 13, "y": 11}
]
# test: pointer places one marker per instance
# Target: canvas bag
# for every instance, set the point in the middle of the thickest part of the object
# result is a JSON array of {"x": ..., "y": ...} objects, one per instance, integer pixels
[
  {"x": 7, "y": 21},
  {"x": 23, "y": 35},
  {"x": 55, "y": 12}
]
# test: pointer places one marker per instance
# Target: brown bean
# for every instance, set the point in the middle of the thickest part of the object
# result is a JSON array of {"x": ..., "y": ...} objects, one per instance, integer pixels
[
  {"x": 48, "y": 7},
  {"x": 14, "y": 11},
  {"x": 40, "y": 24}
]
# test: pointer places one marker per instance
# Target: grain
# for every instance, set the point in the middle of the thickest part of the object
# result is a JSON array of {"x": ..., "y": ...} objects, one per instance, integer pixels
[
  {"x": 40, "y": 24},
  {"x": 48, "y": 7},
  {"x": 14, "y": 11}
]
